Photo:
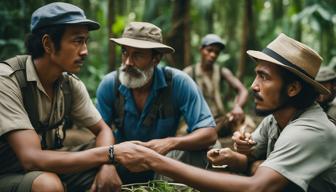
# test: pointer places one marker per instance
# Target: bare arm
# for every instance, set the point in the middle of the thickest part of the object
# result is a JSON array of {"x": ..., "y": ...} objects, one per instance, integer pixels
[
  {"x": 234, "y": 82},
  {"x": 138, "y": 158},
  {"x": 201, "y": 138},
  {"x": 104, "y": 135},
  {"x": 26, "y": 145}
]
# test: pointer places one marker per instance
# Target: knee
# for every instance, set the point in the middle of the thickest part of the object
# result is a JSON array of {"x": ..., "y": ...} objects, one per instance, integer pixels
[{"x": 47, "y": 182}]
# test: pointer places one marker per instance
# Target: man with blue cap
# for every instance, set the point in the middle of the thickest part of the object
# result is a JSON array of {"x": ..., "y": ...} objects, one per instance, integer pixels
[
  {"x": 210, "y": 77},
  {"x": 39, "y": 96}
]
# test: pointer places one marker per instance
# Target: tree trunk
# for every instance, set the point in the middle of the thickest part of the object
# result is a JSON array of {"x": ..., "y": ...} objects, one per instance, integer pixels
[
  {"x": 297, "y": 26},
  {"x": 111, "y": 46},
  {"x": 179, "y": 36},
  {"x": 246, "y": 37}
]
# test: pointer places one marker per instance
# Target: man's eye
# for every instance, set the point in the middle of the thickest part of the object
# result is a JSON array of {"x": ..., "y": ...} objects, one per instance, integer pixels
[
  {"x": 263, "y": 77},
  {"x": 79, "y": 41}
]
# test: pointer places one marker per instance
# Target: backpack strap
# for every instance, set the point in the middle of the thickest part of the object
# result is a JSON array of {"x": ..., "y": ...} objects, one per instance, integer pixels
[
  {"x": 119, "y": 105},
  {"x": 67, "y": 100},
  {"x": 162, "y": 106},
  {"x": 18, "y": 64}
]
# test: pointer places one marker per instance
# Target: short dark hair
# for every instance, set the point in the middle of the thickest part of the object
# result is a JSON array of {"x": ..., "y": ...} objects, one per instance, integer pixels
[
  {"x": 33, "y": 43},
  {"x": 305, "y": 97}
]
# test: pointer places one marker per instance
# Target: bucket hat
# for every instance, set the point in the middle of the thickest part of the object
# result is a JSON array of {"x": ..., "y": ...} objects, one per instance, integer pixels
[
  {"x": 295, "y": 57},
  {"x": 60, "y": 13},
  {"x": 210, "y": 39},
  {"x": 325, "y": 74},
  {"x": 143, "y": 35}
]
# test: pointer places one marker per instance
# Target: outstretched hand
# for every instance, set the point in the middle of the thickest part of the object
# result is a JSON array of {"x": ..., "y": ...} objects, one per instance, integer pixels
[
  {"x": 134, "y": 157},
  {"x": 162, "y": 146}
]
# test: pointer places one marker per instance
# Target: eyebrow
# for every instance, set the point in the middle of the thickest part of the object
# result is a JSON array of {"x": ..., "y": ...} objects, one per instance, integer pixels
[{"x": 262, "y": 72}]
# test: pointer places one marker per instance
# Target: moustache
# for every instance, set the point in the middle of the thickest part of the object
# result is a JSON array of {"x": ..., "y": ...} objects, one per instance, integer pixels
[
  {"x": 81, "y": 60},
  {"x": 257, "y": 96},
  {"x": 131, "y": 70}
]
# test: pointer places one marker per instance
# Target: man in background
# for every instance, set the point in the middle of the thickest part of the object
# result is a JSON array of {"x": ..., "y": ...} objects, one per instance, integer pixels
[
  {"x": 327, "y": 77},
  {"x": 210, "y": 77}
]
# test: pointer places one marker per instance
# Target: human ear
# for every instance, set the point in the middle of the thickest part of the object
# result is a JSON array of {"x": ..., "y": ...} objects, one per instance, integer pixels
[
  {"x": 157, "y": 58},
  {"x": 47, "y": 44},
  {"x": 294, "y": 88}
]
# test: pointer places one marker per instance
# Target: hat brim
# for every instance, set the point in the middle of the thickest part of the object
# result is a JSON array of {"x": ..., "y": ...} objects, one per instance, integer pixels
[
  {"x": 258, "y": 55},
  {"x": 220, "y": 44},
  {"x": 92, "y": 25},
  {"x": 142, "y": 44}
]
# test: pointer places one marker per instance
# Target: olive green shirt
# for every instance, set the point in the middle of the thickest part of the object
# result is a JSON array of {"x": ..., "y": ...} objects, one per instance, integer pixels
[{"x": 13, "y": 115}]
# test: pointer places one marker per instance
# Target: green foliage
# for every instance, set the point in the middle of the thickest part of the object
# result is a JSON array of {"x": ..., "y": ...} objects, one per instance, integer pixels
[
  {"x": 310, "y": 21},
  {"x": 157, "y": 186}
]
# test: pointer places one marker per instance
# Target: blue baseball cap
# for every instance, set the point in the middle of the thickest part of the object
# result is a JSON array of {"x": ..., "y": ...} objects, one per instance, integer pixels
[
  {"x": 60, "y": 13},
  {"x": 210, "y": 39}
]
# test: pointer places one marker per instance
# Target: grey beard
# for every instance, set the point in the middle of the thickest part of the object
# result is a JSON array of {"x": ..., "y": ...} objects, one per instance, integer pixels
[{"x": 132, "y": 81}]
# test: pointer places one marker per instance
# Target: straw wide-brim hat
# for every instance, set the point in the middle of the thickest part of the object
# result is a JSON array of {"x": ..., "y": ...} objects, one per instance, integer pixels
[
  {"x": 295, "y": 57},
  {"x": 144, "y": 36}
]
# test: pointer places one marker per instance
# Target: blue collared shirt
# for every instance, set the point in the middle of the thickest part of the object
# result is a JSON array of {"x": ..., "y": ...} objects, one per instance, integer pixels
[{"x": 186, "y": 99}]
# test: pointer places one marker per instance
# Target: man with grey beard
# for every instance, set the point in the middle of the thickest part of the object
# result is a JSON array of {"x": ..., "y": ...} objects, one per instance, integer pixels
[{"x": 145, "y": 102}]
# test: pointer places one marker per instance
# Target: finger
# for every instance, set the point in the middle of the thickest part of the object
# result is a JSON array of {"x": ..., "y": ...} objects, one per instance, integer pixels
[
  {"x": 136, "y": 142},
  {"x": 252, "y": 142},
  {"x": 241, "y": 142},
  {"x": 93, "y": 186},
  {"x": 237, "y": 136},
  {"x": 213, "y": 152}
]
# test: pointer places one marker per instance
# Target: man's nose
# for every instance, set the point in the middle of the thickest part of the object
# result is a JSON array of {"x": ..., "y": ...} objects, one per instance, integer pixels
[
  {"x": 213, "y": 54},
  {"x": 84, "y": 50},
  {"x": 254, "y": 85},
  {"x": 128, "y": 60}
]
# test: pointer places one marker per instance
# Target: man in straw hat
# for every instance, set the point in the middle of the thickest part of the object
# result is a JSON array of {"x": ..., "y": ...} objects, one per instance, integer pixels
[
  {"x": 35, "y": 95},
  {"x": 327, "y": 77},
  {"x": 286, "y": 140},
  {"x": 145, "y": 102}
]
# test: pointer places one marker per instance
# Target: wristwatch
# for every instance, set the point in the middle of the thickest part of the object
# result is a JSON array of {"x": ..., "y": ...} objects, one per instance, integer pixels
[{"x": 111, "y": 155}]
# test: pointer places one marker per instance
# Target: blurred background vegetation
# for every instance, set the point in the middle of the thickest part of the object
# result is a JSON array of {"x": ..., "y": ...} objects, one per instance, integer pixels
[{"x": 243, "y": 24}]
